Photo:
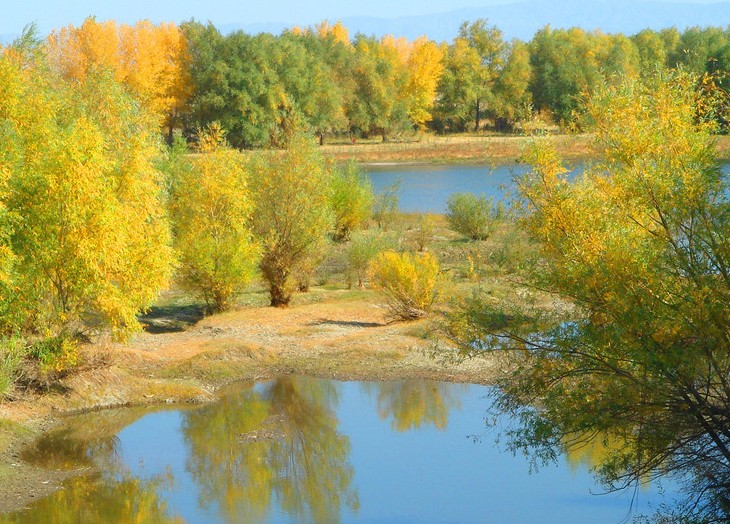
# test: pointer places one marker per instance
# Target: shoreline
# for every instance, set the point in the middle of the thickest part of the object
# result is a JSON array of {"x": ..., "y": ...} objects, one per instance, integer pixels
[
  {"x": 472, "y": 149},
  {"x": 340, "y": 335}
]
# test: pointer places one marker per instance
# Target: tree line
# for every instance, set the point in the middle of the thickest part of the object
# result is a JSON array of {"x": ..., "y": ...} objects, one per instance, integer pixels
[{"x": 259, "y": 87}]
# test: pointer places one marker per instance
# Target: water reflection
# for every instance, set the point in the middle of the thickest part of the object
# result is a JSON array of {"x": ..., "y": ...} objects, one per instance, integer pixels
[
  {"x": 279, "y": 441},
  {"x": 411, "y": 404},
  {"x": 308, "y": 450},
  {"x": 120, "y": 500}
]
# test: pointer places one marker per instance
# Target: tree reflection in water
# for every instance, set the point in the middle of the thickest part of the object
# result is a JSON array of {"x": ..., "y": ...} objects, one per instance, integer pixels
[
  {"x": 120, "y": 500},
  {"x": 114, "y": 496},
  {"x": 280, "y": 441},
  {"x": 415, "y": 403}
]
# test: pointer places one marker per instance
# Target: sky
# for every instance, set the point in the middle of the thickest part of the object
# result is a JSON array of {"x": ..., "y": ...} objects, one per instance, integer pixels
[{"x": 51, "y": 14}]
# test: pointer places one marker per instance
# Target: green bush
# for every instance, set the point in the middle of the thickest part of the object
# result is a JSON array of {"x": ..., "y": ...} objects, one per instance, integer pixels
[
  {"x": 473, "y": 216},
  {"x": 385, "y": 206},
  {"x": 12, "y": 351},
  {"x": 363, "y": 248},
  {"x": 351, "y": 199},
  {"x": 55, "y": 354},
  {"x": 407, "y": 280}
]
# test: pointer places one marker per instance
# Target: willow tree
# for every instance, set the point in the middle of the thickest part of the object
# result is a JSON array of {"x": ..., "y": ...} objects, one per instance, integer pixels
[
  {"x": 292, "y": 214},
  {"x": 91, "y": 239},
  {"x": 210, "y": 208},
  {"x": 636, "y": 254}
]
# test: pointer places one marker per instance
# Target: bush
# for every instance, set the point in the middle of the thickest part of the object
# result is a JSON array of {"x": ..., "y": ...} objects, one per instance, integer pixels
[
  {"x": 385, "y": 206},
  {"x": 407, "y": 280},
  {"x": 425, "y": 230},
  {"x": 351, "y": 199},
  {"x": 473, "y": 216},
  {"x": 11, "y": 355},
  {"x": 55, "y": 355},
  {"x": 363, "y": 248}
]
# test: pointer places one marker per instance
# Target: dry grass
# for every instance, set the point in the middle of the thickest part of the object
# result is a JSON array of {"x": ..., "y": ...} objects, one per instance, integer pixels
[
  {"x": 470, "y": 148},
  {"x": 455, "y": 148}
]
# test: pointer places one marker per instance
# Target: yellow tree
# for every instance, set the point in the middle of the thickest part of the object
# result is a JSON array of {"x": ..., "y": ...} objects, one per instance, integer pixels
[
  {"x": 424, "y": 65},
  {"x": 292, "y": 214},
  {"x": 211, "y": 211},
  {"x": 92, "y": 245},
  {"x": 338, "y": 32},
  {"x": 149, "y": 59}
]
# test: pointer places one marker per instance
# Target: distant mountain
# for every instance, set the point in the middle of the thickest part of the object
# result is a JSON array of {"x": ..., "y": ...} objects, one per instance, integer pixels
[{"x": 523, "y": 19}]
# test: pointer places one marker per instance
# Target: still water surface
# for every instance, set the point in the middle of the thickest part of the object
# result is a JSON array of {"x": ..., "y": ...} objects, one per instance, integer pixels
[
  {"x": 426, "y": 189},
  {"x": 309, "y": 450}
]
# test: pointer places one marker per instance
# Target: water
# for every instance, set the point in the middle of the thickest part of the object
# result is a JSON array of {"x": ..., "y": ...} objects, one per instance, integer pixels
[
  {"x": 310, "y": 450},
  {"x": 426, "y": 189}
]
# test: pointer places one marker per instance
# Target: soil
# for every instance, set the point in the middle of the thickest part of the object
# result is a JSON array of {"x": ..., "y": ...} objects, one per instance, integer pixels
[{"x": 337, "y": 334}]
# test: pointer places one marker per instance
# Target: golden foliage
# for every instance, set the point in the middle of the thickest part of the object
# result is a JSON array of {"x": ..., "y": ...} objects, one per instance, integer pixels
[
  {"x": 407, "y": 280},
  {"x": 149, "y": 59}
]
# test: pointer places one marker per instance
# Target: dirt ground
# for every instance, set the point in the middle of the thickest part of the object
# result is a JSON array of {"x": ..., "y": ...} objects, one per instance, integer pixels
[{"x": 337, "y": 334}]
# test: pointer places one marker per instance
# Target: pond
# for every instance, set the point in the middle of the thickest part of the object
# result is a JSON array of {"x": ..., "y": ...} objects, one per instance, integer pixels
[
  {"x": 426, "y": 188},
  {"x": 301, "y": 449}
]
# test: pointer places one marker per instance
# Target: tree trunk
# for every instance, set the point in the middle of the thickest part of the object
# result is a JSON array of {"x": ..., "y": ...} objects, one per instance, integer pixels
[
  {"x": 478, "y": 117},
  {"x": 280, "y": 296}
]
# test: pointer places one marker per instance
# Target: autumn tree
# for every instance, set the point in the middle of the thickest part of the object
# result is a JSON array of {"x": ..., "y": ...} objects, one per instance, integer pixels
[
  {"x": 377, "y": 106},
  {"x": 636, "y": 254},
  {"x": 292, "y": 215},
  {"x": 149, "y": 59},
  {"x": 351, "y": 199},
  {"x": 210, "y": 209},
  {"x": 77, "y": 159}
]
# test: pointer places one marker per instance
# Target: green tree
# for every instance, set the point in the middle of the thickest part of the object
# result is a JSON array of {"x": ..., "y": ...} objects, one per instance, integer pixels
[
  {"x": 292, "y": 214},
  {"x": 636, "y": 253},
  {"x": 471, "y": 67},
  {"x": 210, "y": 208},
  {"x": 513, "y": 100}
]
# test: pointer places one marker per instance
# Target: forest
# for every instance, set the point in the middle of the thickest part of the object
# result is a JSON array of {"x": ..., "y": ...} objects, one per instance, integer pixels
[{"x": 257, "y": 87}]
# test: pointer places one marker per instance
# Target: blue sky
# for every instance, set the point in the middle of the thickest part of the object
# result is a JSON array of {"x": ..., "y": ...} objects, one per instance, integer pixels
[{"x": 51, "y": 14}]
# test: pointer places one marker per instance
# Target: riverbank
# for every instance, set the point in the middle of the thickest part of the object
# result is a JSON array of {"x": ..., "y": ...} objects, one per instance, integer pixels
[
  {"x": 333, "y": 333},
  {"x": 434, "y": 149}
]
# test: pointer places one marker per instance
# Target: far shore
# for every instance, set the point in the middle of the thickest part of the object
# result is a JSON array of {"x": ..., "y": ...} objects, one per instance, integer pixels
[{"x": 470, "y": 149}]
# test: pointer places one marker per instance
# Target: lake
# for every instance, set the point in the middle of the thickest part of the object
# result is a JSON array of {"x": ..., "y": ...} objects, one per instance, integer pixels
[
  {"x": 299, "y": 449},
  {"x": 426, "y": 188}
]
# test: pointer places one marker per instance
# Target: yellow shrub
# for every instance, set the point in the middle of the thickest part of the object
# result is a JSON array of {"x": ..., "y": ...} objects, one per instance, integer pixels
[{"x": 407, "y": 280}]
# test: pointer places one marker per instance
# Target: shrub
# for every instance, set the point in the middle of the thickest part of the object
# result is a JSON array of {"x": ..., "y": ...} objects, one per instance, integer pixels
[
  {"x": 11, "y": 355},
  {"x": 351, "y": 199},
  {"x": 55, "y": 355},
  {"x": 425, "y": 230},
  {"x": 407, "y": 280},
  {"x": 473, "y": 216},
  {"x": 363, "y": 248},
  {"x": 385, "y": 206}
]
